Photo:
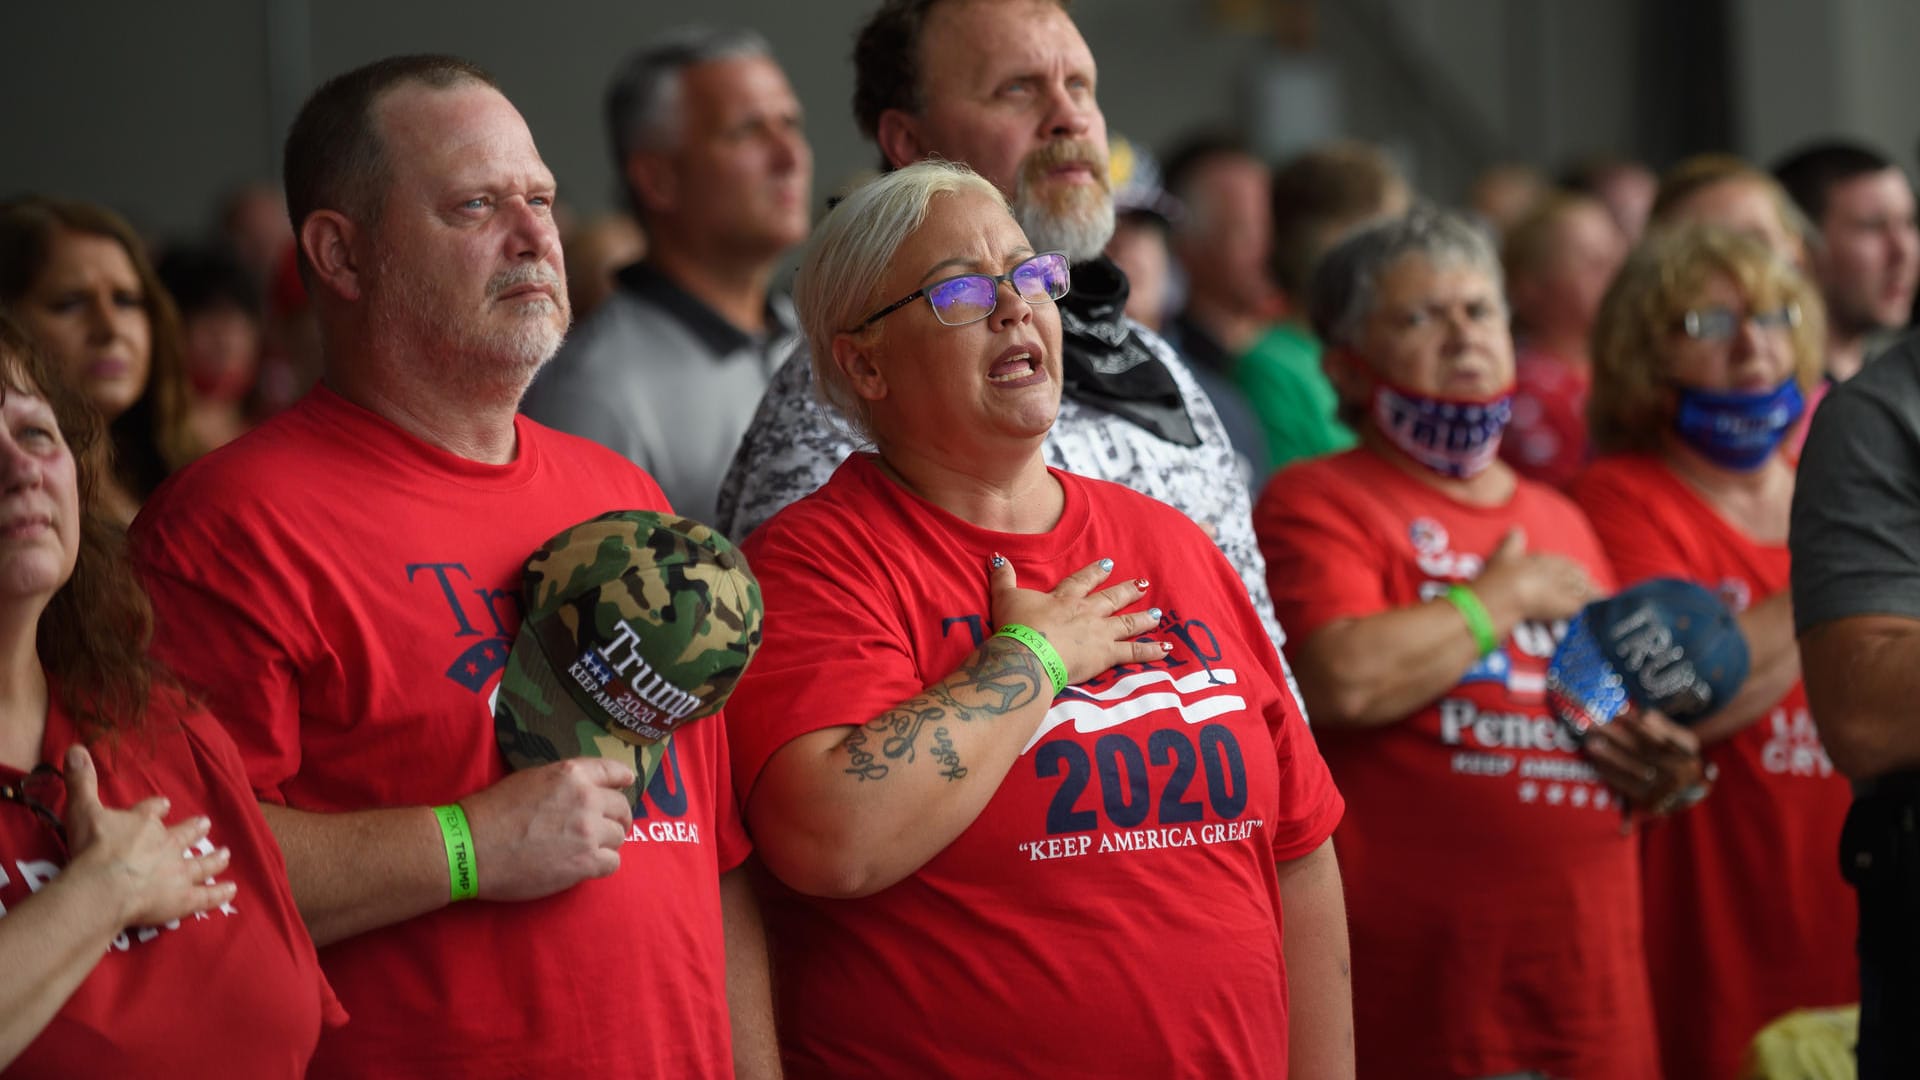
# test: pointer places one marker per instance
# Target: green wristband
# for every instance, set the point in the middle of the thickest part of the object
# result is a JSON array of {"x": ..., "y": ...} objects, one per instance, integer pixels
[
  {"x": 1050, "y": 661},
  {"x": 462, "y": 881},
  {"x": 1478, "y": 621}
]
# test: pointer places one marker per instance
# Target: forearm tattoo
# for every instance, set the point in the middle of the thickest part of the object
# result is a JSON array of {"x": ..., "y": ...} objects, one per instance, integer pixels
[{"x": 999, "y": 677}]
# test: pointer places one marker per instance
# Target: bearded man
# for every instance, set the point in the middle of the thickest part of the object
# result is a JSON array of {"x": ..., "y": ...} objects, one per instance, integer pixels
[{"x": 1009, "y": 91}]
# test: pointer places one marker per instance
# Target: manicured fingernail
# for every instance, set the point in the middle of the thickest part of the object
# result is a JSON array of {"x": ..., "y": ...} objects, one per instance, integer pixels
[
  {"x": 997, "y": 561},
  {"x": 1153, "y": 613},
  {"x": 1106, "y": 566},
  {"x": 1166, "y": 646},
  {"x": 1142, "y": 583},
  {"x": 75, "y": 757}
]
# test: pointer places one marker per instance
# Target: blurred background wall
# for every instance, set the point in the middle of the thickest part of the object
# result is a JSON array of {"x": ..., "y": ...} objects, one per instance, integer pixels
[{"x": 157, "y": 109}]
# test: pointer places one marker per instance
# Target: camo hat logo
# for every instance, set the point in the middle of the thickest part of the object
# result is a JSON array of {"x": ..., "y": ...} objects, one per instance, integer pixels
[{"x": 637, "y": 623}]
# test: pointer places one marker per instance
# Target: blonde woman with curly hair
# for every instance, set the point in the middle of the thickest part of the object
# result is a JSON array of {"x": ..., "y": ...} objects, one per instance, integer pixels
[{"x": 1706, "y": 349}]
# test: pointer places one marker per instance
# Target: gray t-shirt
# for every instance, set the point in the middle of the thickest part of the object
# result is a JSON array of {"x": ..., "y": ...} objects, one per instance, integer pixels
[{"x": 1855, "y": 536}]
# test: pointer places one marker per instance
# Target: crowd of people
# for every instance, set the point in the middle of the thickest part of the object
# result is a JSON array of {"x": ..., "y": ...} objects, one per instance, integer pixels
[{"x": 1161, "y": 569}]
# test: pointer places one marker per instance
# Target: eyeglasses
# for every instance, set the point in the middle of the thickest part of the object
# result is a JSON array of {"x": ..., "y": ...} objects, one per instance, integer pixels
[
  {"x": 1722, "y": 323},
  {"x": 968, "y": 298},
  {"x": 36, "y": 791}
]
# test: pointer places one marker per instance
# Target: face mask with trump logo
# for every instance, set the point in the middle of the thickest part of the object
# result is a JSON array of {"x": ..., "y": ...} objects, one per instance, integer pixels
[{"x": 1455, "y": 437}]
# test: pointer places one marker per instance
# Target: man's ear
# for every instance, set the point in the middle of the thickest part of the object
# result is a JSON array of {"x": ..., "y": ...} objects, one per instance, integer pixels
[
  {"x": 651, "y": 179},
  {"x": 900, "y": 139},
  {"x": 328, "y": 239},
  {"x": 855, "y": 362}
]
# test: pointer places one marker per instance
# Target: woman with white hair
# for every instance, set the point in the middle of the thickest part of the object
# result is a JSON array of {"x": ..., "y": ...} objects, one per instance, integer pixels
[
  {"x": 1023, "y": 824},
  {"x": 1492, "y": 890}
]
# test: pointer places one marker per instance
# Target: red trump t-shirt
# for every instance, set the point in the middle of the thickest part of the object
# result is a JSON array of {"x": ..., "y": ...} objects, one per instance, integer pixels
[{"x": 1493, "y": 899}]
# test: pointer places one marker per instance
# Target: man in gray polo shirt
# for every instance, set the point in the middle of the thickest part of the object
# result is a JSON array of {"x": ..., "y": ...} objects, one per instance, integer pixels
[
  {"x": 707, "y": 137},
  {"x": 1855, "y": 541}
]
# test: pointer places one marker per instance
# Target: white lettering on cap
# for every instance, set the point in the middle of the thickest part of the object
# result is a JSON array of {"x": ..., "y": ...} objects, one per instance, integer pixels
[{"x": 623, "y": 652}]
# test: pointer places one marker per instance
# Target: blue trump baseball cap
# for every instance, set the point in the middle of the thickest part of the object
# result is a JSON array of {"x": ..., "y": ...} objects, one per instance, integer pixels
[{"x": 1664, "y": 644}]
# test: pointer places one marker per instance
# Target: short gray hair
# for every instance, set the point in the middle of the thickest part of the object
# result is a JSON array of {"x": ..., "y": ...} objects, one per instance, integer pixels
[
  {"x": 849, "y": 253},
  {"x": 1341, "y": 295},
  {"x": 643, "y": 101}
]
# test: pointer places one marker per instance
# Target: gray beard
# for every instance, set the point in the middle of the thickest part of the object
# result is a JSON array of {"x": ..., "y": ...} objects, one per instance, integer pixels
[
  {"x": 1082, "y": 231},
  {"x": 499, "y": 362}
]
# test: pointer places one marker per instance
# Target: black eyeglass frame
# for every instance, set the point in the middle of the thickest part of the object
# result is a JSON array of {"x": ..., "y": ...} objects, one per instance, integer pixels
[
  {"x": 15, "y": 791},
  {"x": 997, "y": 279}
]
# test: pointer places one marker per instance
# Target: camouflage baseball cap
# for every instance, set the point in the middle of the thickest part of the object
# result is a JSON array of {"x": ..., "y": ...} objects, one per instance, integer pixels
[{"x": 636, "y": 623}]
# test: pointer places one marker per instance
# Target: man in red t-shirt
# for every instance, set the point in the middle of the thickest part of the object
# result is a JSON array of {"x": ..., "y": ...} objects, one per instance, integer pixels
[
  {"x": 342, "y": 587},
  {"x": 1492, "y": 892}
]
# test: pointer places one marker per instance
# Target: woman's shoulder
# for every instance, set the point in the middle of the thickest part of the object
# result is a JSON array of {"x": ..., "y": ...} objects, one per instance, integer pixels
[
  {"x": 847, "y": 506},
  {"x": 1615, "y": 476},
  {"x": 175, "y": 717},
  {"x": 176, "y": 748},
  {"x": 1317, "y": 476},
  {"x": 1110, "y": 497}
]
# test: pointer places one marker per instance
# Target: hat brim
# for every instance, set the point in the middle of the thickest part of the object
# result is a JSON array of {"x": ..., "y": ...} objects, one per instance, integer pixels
[{"x": 536, "y": 721}]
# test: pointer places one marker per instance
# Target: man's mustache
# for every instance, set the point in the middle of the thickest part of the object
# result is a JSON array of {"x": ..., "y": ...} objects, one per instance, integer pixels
[
  {"x": 1065, "y": 152},
  {"x": 527, "y": 274}
]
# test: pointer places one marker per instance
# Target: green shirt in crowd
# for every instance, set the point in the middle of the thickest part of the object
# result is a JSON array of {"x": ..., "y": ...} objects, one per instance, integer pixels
[{"x": 1297, "y": 406}]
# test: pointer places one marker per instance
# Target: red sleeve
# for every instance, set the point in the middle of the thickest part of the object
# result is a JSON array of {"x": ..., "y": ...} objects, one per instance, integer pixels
[
  {"x": 733, "y": 846},
  {"x": 1310, "y": 806},
  {"x": 1633, "y": 513},
  {"x": 1323, "y": 563},
  {"x": 232, "y": 662},
  {"x": 832, "y": 639},
  {"x": 213, "y": 745}
]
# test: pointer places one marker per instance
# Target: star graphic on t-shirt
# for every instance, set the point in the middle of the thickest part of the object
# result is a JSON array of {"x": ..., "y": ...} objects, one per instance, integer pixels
[
  {"x": 1601, "y": 800},
  {"x": 1529, "y": 791},
  {"x": 488, "y": 654},
  {"x": 473, "y": 669},
  {"x": 1578, "y": 797},
  {"x": 1555, "y": 793}
]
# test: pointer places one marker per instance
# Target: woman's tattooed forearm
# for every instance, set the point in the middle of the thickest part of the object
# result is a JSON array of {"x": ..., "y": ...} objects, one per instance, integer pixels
[
  {"x": 998, "y": 678},
  {"x": 946, "y": 756}
]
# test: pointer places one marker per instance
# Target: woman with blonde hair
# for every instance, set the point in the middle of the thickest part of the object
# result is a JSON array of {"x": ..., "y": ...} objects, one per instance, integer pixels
[
  {"x": 1003, "y": 796},
  {"x": 1706, "y": 347}
]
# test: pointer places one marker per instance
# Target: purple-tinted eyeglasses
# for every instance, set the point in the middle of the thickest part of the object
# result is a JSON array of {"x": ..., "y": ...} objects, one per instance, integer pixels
[{"x": 968, "y": 298}]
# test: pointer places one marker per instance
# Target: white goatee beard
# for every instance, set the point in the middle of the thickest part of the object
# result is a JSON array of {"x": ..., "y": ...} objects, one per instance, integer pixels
[
  {"x": 1081, "y": 228},
  {"x": 486, "y": 360}
]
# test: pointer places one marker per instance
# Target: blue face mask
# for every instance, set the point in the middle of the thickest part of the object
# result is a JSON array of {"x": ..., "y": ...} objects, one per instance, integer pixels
[
  {"x": 1457, "y": 439},
  {"x": 1738, "y": 430}
]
